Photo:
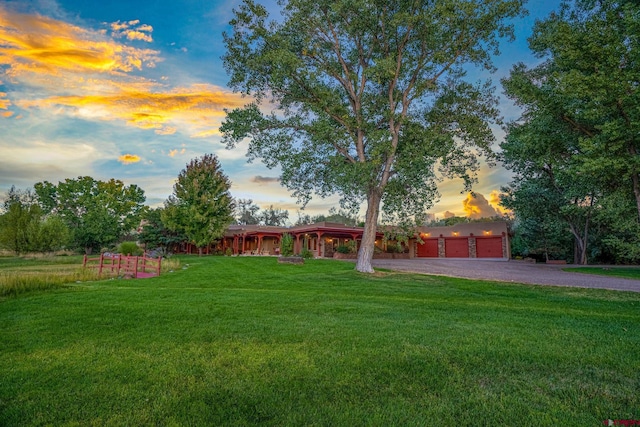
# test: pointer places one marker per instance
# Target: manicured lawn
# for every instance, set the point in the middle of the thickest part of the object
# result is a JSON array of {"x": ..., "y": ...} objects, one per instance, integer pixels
[
  {"x": 626, "y": 272},
  {"x": 245, "y": 341}
]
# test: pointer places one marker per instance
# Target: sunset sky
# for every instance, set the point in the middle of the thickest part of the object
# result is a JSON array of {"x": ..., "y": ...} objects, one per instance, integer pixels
[{"x": 133, "y": 90}]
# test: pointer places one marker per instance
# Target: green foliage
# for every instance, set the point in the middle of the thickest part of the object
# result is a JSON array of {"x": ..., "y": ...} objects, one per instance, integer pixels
[
  {"x": 371, "y": 97},
  {"x": 246, "y": 212},
  {"x": 155, "y": 235},
  {"x": 577, "y": 145},
  {"x": 19, "y": 222},
  {"x": 130, "y": 248},
  {"x": 97, "y": 213},
  {"x": 274, "y": 217},
  {"x": 306, "y": 253},
  {"x": 286, "y": 245},
  {"x": 343, "y": 249},
  {"x": 201, "y": 206}
]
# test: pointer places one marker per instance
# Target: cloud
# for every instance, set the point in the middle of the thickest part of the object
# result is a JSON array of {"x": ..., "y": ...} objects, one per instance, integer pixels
[
  {"x": 131, "y": 30},
  {"x": 168, "y": 130},
  {"x": 196, "y": 109},
  {"x": 264, "y": 179},
  {"x": 4, "y": 101},
  {"x": 476, "y": 206},
  {"x": 173, "y": 153},
  {"x": 494, "y": 200},
  {"x": 448, "y": 214},
  {"x": 127, "y": 159},
  {"x": 34, "y": 44}
]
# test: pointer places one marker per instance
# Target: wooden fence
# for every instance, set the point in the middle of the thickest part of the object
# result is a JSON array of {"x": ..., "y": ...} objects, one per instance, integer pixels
[{"x": 136, "y": 267}]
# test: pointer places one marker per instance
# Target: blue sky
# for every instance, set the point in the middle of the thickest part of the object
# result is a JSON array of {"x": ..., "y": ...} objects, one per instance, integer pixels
[{"x": 133, "y": 90}]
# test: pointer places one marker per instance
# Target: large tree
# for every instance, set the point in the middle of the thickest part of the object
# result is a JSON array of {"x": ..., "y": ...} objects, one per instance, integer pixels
[
  {"x": 21, "y": 214},
  {"x": 25, "y": 228},
  {"x": 201, "y": 206},
  {"x": 97, "y": 213},
  {"x": 579, "y": 136},
  {"x": 368, "y": 98}
]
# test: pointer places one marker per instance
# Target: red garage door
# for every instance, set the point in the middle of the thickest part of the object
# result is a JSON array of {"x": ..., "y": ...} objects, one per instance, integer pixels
[
  {"x": 428, "y": 249},
  {"x": 456, "y": 248},
  {"x": 489, "y": 247}
]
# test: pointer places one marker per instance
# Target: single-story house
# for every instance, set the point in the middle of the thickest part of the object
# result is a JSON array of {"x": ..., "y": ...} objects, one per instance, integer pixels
[{"x": 323, "y": 240}]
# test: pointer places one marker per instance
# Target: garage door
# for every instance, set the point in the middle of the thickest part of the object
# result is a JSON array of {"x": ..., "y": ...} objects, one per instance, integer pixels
[
  {"x": 456, "y": 248},
  {"x": 489, "y": 247},
  {"x": 428, "y": 249}
]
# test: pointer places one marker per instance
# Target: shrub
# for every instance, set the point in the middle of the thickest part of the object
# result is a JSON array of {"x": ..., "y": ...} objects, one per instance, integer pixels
[
  {"x": 130, "y": 248},
  {"x": 343, "y": 249},
  {"x": 306, "y": 253},
  {"x": 286, "y": 245}
]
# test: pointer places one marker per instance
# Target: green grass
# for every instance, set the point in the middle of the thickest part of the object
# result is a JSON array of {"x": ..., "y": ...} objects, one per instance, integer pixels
[
  {"x": 245, "y": 341},
  {"x": 626, "y": 272},
  {"x": 20, "y": 275}
]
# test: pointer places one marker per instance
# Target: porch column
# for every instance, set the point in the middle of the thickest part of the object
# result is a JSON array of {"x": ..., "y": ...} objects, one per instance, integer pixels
[
  {"x": 296, "y": 248},
  {"x": 259, "y": 244},
  {"x": 320, "y": 251}
]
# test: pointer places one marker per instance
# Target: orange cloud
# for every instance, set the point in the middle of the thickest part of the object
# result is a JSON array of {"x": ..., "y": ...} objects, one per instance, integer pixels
[
  {"x": 199, "y": 108},
  {"x": 173, "y": 153},
  {"x": 132, "y": 31},
  {"x": 41, "y": 45},
  {"x": 167, "y": 130},
  {"x": 7, "y": 114},
  {"x": 4, "y": 102},
  {"x": 494, "y": 200},
  {"x": 129, "y": 158},
  {"x": 476, "y": 206}
]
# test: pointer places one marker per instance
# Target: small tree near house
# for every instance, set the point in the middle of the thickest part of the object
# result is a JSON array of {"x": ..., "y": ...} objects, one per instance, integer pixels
[{"x": 201, "y": 206}]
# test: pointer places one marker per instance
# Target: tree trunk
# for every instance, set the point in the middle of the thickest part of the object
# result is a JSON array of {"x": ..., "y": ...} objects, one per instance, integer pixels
[{"x": 365, "y": 254}]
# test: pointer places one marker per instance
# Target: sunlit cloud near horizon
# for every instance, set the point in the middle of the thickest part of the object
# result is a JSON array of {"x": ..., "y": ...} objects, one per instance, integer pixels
[{"x": 92, "y": 90}]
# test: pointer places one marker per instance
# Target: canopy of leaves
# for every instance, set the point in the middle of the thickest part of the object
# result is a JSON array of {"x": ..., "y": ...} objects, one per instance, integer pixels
[
  {"x": 368, "y": 96},
  {"x": 578, "y": 141},
  {"x": 201, "y": 206},
  {"x": 97, "y": 213}
]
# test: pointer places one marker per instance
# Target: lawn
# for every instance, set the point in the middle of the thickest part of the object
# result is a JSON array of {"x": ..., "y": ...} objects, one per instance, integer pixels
[
  {"x": 246, "y": 341},
  {"x": 617, "y": 271}
]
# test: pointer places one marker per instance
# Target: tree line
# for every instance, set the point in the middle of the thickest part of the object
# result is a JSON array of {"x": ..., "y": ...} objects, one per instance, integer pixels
[
  {"x": 88, "y": 215},
  {"x": 575, "y": 152}
]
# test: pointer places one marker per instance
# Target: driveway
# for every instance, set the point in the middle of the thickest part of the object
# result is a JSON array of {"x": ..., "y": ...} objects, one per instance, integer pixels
[{"x": 508, "y": 271}]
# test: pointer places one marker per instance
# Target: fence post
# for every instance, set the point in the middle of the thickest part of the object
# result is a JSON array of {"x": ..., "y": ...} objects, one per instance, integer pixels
[
  {"x": 159, "y": 264},
  {"x": 101, "y": 261},
  {"x": 135, "y": 268}
]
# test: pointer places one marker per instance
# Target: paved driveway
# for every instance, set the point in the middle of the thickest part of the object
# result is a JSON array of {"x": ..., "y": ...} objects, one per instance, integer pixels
[{"x": 508, "y": 271}]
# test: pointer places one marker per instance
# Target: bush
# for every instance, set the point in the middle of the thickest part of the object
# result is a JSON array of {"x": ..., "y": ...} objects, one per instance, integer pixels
[
  {"x": 306, "y": 253},
  {"x": 130, "y": 248},
  {"x": 286, "y": 245},
  {"x": 343, "y": 249}
]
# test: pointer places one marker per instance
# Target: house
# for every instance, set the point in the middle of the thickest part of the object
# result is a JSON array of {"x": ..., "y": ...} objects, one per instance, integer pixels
[{"x": 322, "y": 240}]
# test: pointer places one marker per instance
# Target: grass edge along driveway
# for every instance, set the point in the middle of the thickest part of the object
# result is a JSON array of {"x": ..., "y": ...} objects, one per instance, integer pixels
[{"x": 246, "y": 341}]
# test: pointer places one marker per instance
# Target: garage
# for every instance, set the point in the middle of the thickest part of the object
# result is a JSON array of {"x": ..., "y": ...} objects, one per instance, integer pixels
[
  {"x": 428, "y": 249},
  {"x": 489, "y": 247},
  {"x": 456, "y": 247}
]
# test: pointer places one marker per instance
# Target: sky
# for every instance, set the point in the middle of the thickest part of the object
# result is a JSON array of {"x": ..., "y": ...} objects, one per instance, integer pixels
[{"x": 133, "y": 90}]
